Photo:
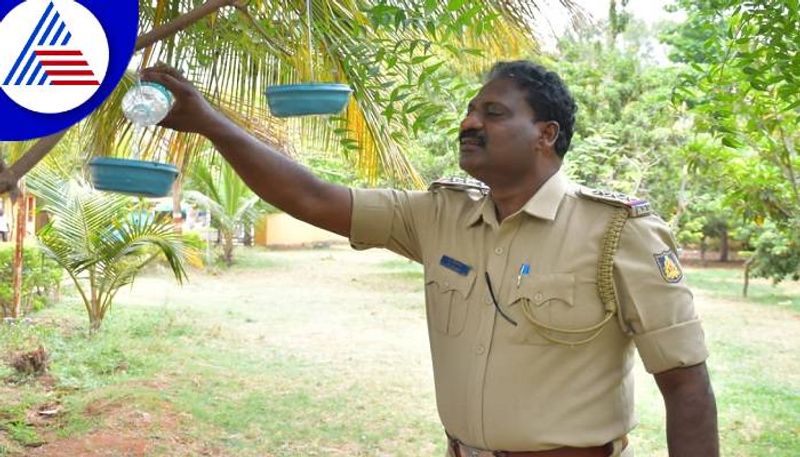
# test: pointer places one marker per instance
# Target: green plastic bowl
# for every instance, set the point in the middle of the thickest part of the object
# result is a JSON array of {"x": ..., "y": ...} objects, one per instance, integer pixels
[
  {"x": 133, "y": 177},
  {"x": 307, "y": 99}
]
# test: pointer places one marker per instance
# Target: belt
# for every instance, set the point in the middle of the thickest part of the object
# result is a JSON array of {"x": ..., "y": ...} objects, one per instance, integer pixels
[{"x": 460, "y": 449}]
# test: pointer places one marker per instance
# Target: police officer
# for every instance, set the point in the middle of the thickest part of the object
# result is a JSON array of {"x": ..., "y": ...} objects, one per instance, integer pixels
[{"x": 537, "y": 290}]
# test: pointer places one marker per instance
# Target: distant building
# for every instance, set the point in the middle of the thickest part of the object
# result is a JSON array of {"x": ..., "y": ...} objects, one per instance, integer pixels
[
  {"x": 34, "y": 221},
  {"x": 282, "y": 230}
]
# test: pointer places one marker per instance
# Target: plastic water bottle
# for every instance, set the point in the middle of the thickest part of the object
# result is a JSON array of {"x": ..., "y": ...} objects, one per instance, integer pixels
[{"x": 147, "y": 104}]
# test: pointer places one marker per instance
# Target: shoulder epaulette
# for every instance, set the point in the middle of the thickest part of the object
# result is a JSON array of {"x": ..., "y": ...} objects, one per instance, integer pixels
[
  {"x": 459, "y": 184},
  {"x": 636, "y": 206}
]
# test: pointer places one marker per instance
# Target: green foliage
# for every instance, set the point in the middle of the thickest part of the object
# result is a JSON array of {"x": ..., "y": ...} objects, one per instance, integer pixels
[
  {"x": 94, "y": 238},
  {"x": 618, "y": 18},
  {"x": 23, "y": 433},
  {"x": 23, "y": 336},
  {"x": 41, "y": 279},
  {"x": 434, "y": 149},
  {"x": 194, "y": 240},
  {"x": 216, "y": 187},
  {"x": 627, "y": 134},
  {"x": 742, "y": 84},
  {"x": 776, "y": 252}
]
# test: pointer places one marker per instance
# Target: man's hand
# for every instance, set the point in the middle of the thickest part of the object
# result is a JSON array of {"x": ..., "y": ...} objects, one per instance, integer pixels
[
  {"x": 691, "y": 412},
  {"x": 191, "y": 111}
]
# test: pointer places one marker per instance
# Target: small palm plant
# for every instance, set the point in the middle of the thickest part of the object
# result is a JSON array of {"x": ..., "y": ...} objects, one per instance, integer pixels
[
  {"x": 231, "y": 203},
  {"x": 99, "y": 241}
]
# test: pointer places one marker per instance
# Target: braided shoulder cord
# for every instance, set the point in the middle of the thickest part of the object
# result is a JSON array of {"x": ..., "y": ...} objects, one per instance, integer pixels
[{"x": 605, "y": 287}]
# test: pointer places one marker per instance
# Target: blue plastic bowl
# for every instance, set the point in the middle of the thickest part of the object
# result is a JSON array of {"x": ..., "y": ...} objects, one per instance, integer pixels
[
  {"x": 132, "y": 177},
  {"x": 307, "y": 99}
]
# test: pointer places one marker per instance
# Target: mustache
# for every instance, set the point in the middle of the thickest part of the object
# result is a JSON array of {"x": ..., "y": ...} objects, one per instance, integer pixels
[{"x": 472, "y": 134}]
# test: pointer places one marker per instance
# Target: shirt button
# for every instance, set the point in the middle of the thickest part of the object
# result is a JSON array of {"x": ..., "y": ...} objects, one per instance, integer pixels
[
  {"x": 487, "y": 300},
  {"x": 447, "y": 283},
  {"x": 538, "y": 296},
  {"x": 498, "y": 251},
  {"x": 480, "y": 349}
]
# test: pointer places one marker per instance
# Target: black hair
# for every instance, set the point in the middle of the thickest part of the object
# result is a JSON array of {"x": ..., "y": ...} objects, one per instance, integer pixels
[{"x": 547, "y": 95}]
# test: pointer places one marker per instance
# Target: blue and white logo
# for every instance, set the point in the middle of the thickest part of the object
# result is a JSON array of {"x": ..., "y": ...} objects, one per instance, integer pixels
[{"x": 59, "y": 60}]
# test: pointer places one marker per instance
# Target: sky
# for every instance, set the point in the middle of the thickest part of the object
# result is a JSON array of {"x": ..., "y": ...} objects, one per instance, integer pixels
[
  {"x": 648, "y": 10},
  {"x": 557, "y": 23}
]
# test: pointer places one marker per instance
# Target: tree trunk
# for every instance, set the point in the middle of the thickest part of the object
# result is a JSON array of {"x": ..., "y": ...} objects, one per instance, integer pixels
[
  {"x": 95, "y": 310},
  {"x": 227, "y": 249},
  {"x": 746, "y": 276},
  {"x": 723, "y": 245},
  {"x": 177, "y": 211},
  {"x": 703, "y": 249},
  {"x": 19, "y": 245},
  {"x": 95, "y": 322},
  {"x": 247, "y": 239}
]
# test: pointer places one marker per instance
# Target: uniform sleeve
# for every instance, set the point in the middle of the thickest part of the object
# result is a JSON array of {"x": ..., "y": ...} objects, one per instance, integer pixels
[
  {"x": 390, "y": 219},
  {"x": 656, "y": 305}
]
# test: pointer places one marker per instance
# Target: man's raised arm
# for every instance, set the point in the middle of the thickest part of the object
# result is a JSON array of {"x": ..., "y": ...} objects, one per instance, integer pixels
[{"x": 272, "y": 176}]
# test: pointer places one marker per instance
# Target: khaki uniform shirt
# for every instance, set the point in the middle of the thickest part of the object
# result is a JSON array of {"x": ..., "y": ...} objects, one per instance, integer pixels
[{"x": 506, "y": 387}]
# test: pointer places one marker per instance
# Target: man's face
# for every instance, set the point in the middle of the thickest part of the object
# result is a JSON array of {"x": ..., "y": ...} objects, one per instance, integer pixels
[{"x": 498, "y": 136}]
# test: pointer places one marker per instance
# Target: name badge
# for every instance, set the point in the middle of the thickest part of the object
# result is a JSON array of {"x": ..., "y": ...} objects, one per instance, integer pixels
[{"x": 455, "y": 265}]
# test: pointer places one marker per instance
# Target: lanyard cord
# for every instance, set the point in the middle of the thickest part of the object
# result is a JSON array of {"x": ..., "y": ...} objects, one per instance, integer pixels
[{"x": 494, "y": 300}]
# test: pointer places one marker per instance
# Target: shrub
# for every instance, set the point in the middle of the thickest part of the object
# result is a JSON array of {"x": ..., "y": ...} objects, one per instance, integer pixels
[{"x": 41, "y": 278}]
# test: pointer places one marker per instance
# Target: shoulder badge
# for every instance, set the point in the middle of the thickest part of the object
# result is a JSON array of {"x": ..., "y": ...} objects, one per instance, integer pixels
[
  {"x": 669, "y": 266},
  {"x": 459, "y": 184},
  {"x": 636, "y": 206}
]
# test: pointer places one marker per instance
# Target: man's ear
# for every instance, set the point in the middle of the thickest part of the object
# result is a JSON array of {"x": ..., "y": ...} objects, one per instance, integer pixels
[{"x": 550, "y": 133}]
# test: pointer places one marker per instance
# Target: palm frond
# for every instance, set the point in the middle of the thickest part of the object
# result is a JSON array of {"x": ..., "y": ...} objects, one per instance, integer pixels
[{"x": 234, "y": 54}]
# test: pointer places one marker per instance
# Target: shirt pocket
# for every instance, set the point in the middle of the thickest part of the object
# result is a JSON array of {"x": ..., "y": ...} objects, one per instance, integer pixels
[
  {"x": 447, "y": 295},
  {"x": 553, "y": 300}
]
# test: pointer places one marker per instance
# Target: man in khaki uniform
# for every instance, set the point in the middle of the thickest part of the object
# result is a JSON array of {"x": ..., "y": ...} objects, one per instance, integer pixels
[{"x": 537, "y": 291}]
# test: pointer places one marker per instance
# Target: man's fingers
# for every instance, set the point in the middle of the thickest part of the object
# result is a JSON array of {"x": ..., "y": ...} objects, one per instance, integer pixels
[
  {"x": 167, "y": 80},
  {"x": 175, "y": 73},
  {"x": 164, "y": 69}
]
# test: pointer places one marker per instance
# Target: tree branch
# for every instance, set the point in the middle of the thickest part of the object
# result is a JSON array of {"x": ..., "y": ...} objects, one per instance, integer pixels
[
  {"x": 181, "y": 23},
  {"x": 10, "y": 176},
  {"x": 246, "y": 13}
]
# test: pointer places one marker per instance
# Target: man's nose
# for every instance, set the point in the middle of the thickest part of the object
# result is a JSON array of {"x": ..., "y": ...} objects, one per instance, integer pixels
[{"x": 471, "y": 121}]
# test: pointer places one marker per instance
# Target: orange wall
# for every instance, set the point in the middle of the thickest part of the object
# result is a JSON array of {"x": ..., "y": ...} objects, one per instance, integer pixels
[{"x": 284, "y": 230}]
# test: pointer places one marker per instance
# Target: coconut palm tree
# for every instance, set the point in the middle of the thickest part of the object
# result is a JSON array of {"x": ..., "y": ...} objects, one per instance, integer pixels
[
  {"x": 99, "y": 242},
  {"x": 218, "y": 188}
]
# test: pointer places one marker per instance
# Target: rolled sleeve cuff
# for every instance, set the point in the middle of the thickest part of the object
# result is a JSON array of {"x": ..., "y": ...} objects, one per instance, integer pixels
[
  {"x": 681, "y": 345},
  {"x": 371, "y": 221}
]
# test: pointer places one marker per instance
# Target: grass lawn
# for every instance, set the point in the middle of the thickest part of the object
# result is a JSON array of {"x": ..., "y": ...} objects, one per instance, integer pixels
[{"x": 325, "y": 353}]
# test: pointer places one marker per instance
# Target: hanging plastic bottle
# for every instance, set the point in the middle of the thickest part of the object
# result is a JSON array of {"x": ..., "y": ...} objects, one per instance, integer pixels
[{"x": 147, "y": 103}]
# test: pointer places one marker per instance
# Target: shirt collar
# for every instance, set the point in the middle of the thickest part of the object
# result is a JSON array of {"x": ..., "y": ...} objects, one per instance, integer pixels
[{"x": 544, "y": 204}]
